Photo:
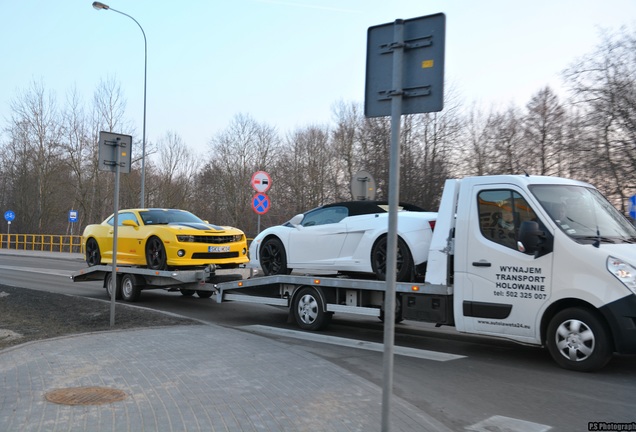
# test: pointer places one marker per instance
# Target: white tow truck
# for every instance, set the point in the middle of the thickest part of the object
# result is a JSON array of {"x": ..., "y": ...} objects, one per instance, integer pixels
[{"x": 539, "y": 260}]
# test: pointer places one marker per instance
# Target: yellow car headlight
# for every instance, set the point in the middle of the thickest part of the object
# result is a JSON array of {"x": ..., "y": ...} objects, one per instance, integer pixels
[{"x": 185, "y": 238}]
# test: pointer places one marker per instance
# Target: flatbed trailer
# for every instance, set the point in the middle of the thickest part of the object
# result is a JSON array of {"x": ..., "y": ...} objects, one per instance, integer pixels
[
  {"x": 312, "y": 300},
  {"x": 132, "y": 280}
]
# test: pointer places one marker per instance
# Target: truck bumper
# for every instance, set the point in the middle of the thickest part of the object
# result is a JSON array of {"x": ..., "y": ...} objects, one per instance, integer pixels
[{"x": 621, "y": 317}]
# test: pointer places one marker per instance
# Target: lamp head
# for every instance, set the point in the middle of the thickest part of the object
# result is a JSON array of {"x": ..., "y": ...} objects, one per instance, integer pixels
[{"x": 99, "y": 5}]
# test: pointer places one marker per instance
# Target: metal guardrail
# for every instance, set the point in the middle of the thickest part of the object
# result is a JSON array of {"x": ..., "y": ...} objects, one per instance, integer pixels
[{"x": 42, "y": 242}]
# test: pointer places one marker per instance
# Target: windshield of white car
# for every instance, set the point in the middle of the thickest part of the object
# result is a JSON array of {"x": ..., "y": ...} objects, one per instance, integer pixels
[
  {"x": 164, "y": 217},
  {"x": 584, "y": 214}
]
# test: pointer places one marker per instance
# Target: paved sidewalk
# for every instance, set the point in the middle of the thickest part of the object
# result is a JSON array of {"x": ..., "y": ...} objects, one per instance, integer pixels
[{"x": 190, "y": 378}]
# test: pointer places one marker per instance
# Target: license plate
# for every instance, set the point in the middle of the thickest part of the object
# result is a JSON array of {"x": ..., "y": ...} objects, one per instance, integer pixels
[{"x": 218, "y": 248}]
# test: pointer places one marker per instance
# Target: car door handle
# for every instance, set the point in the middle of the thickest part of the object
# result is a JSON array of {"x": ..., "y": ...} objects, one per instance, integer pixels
[{"x": 481, "y": 264}]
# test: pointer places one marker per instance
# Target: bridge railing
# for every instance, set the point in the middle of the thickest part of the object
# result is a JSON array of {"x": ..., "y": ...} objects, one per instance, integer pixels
[{"x": 42, "y": 242}]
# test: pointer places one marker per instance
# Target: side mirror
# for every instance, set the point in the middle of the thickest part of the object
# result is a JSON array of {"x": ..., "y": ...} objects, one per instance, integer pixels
[
  {"x": 296, "y": 220},
  {"x": 533, "y": 240},
  {"x": 130, "y": 223}
]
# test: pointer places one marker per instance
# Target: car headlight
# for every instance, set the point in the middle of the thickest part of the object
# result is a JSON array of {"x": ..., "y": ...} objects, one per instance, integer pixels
[
  {"x": 623, "y": 272},
  {"x": 185, "y": 238},
  {"x": 237, "y": 238}
]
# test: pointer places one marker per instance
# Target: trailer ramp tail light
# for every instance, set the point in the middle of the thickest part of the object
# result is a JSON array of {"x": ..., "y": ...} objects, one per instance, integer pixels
[{"x": 415, "y": 288}]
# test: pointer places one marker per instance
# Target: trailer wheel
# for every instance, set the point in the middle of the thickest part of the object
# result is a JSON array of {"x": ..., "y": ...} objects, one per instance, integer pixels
[
  {"x": 129, "y": 290},
  {"x": 398, "y": 311},
  {"x": 109, "y": 286},
  {"x": 405, "y": 266},
  {"x": 93, "y": 256},
  {"x": 187, "y": 292},
  {"x": 579, "y": 340},
  {"x": 156, "y": 257},
  {"x": 273, "y": 258},
  {"x": 309, "y": 310},
  {"x": 204, "y": 294}
]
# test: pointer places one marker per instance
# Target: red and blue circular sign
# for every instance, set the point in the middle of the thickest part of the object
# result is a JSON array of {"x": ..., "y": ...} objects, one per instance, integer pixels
[{"x": 260, "y": 203}]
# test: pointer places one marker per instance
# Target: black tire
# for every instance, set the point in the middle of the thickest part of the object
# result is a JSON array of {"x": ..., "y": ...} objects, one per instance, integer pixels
[
  {"x": 187, "y": 292},
  {"x": 130, "y": 291},
  {"x": 156, "y": 257},
  {"x": 93, "y": 256},
  {"x": 579, "y": 340},
  {"x": 107, "y": 283},
  {"x": 273, "y": 258},
  {"x": 405, "y": 266},
  {"x": 309, "y": 310},
  {"x": 204, "y": 294},
  {"x": 398, "y": 311}
]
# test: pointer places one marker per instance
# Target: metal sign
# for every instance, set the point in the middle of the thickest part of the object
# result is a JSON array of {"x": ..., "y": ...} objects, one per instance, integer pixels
[
  {"x": 109, "y": 145},
  {"x": 72, "y": 216},
  {"x": 9, "y": 215},
  {"x": 363, "y": 186},
  {"x": 261, "y": 181},
  {"x": 260, "y": 203},
  {"x": 632, "y": 207},
  {"x": 422, "y": 69}
]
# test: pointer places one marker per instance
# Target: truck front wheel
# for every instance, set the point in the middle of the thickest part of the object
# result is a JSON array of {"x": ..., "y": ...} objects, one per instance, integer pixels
[
  {"x": 309, "y": 310},
  {"x": 108, "y": 283},
  {"x": 579, "y": 340}
]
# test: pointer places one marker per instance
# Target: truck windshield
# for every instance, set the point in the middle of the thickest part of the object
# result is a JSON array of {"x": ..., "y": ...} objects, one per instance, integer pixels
[{"x": 584, "y": 214}]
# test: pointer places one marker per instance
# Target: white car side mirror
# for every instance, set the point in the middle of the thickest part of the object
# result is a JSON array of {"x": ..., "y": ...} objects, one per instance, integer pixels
[{"x": 296, "y": 220}]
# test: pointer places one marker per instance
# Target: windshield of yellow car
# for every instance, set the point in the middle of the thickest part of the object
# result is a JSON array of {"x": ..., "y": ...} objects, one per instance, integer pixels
[{"x": 164, "y": 217}]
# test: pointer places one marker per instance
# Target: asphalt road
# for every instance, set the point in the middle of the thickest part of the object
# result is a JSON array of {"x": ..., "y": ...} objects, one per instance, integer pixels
[{"x": 467, "y": 382}]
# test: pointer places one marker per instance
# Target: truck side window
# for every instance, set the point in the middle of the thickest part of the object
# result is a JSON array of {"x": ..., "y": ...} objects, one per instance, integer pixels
[{"x": 501, "y": 212}]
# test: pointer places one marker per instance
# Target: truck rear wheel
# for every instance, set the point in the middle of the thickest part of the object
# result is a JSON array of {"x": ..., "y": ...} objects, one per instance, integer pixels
[
  {"x": 579, "y": 340},
  {"x": 309, "y": 310},
  {"x": 130, "y": 291}
]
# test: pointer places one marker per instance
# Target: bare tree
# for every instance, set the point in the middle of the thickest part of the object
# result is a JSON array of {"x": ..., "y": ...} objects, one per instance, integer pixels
[
  {"x": 603, "y": 86},
  {"x": 543, "y": 133},
  {"x": 38, "y": 171},
  {"x": 245, "y": 147},
  {"x": 175, "y": 172}
]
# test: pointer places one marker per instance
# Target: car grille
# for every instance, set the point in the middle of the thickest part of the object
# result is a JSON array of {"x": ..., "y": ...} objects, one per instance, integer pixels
[
  {"x": 213, "y": 239},
  {"x": 216, "y": 255}
]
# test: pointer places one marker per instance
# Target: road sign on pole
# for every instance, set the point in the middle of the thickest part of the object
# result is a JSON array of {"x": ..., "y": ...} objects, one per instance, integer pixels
[
  {"x": 405, "y": 75},
  {"x": 9, "y": 215},
  {"x": 261, "y": 181},
  {"x": 260, "y": 203},
  {"x": 632, "y": 207}
]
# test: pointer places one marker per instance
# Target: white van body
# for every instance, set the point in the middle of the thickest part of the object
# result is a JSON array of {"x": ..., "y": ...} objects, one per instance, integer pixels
[{"x": 500, "y": 290}]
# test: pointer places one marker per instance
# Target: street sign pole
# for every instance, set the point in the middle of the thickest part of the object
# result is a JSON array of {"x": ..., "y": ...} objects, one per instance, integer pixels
[
  {"x": 394, "y": 193},
  {"x": 113, "y": 280}
]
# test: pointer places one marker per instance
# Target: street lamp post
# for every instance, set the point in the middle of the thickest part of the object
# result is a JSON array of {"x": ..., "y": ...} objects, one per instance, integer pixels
[{"x": 99, "y": 6}]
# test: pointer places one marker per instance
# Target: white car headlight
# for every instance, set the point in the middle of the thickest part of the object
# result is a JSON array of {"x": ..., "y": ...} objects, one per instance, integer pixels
[{"x": 623, "y": 272}]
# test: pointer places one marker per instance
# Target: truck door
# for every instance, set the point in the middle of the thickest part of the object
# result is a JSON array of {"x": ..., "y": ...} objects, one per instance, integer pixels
[{"x": 503, "y": 289}]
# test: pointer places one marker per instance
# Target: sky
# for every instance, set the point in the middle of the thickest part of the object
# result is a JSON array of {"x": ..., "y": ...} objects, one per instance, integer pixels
[{"x": 285, "y": 63}]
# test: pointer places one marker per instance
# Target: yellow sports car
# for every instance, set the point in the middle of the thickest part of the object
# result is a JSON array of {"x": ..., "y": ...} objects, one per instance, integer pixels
[{"x": 162, "y": 239}]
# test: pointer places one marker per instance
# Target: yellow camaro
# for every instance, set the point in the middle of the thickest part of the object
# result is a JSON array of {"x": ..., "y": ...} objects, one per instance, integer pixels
[{"x": 162, "y": 239}]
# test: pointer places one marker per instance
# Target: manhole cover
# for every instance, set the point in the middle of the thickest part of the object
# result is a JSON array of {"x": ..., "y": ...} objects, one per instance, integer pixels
[{"x": 85, "y": 396}]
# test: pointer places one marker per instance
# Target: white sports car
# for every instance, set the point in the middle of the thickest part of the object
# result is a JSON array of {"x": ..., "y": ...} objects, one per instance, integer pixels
[{"x": 346, "y": 237}]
